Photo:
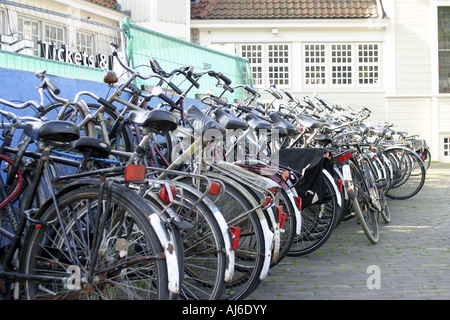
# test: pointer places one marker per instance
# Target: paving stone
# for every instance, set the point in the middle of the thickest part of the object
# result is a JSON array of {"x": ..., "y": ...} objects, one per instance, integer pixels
[{"x": 413, "y": 255}]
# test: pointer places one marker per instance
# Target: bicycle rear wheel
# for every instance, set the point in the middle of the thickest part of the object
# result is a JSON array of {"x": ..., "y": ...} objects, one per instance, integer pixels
[
  {"x": 235, "y": 205},
  {"x": 83, "y": 254},
  {"x": 202, "y": 244},
  {"x": 318, "y": 222},
  {"x": 409, "y": 173}
]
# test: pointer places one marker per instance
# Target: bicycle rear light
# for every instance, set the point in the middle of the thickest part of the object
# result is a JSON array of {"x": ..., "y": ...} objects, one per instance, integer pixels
[
  {"x": 298, "y": 202},
  {"x": 134, "y": 172},
  {"x": 165, "y": 196},
  {"x": 345, "y": 157},
  {"x": 267, "y": 200},
  {"x": 235, "y": 234},
  {"x": 340, "y": 184},
  {"x": 281, "y": 216},
  {"x": 215, "y": 188}
]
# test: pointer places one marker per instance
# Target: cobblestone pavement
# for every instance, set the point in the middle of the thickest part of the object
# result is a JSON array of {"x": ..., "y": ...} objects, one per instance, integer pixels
[{"x": 410, "y": 262}]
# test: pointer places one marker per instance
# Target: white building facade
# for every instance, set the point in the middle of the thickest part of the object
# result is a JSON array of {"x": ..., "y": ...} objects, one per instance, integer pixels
[{"x": 394, "y": 61}]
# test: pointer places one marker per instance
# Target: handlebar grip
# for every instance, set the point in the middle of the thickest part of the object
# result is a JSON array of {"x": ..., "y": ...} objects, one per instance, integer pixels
[
  {"x": 194, "y": 82},
  {"x": 228, "y": 87},
  {"x": 175, "y": 88},
  {"x": 242, "y": 108},
  {"x": 166, "y": 99},
  {"x": 252, "y": 91},
  {"x": 107, "y": 104},
  {"x": 224, "y": 78},
  {"x": 52, "y": 86}
]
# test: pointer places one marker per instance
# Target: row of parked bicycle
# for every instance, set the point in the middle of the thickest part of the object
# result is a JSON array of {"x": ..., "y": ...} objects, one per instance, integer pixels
[{"x": 120, "y": 200}]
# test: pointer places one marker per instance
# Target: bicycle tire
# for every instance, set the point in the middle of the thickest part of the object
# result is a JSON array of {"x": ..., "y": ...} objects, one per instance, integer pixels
[
  {"x": 318, "y": 222},
  {"x": 366, "y": 215},
  {"x": 204, "y": 259},
  {"x": 251, "y": 250},
  {"x": 142, "y": 273},
  {"x": 409, "y": 173}
]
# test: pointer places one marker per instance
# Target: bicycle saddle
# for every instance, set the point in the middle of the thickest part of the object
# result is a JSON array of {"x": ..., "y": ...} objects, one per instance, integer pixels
[
  {"x": 309, "y": 123},
  {"x": 257, "y": 123},
  {"x": 53, "y": 130},
  {"x": 278, "y": 121},
  {"x": 92, "y": 147},
  {"x": 199, "y": 121},
  {"x": 155, "y": 120},
  {"x": 229, "y": 121}
]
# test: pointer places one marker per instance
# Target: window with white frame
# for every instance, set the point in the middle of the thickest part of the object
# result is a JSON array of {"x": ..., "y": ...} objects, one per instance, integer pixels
[
  {"x": 29, "y": 30},
  {"x": 270, "y": 63},
  {"x": 2, "y": 18},
  {"x": 447, "y": 147},
  {"x": 278, "y": 64},
  {"x": 368, "y": 63},
  {"x": 55, "y": 35},
  {"x": 85, "y": 42},
  {"x": 341, "y": 64},
  {"x": 315, "y": 64},
  {"x": 253, "y": 53}
]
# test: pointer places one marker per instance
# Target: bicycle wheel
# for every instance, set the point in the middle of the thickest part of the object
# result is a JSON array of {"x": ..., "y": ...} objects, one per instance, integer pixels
[
  {"x": 409, "y": 173},
  {"x": 73, "y": 112},
  {"x": 318, "y": 222},
  {"x": 203, "y": 244},
  {"x": 236, "y": 205},
  {"x": 83, "y": 254},
  {"x": 367, "y": 216}
]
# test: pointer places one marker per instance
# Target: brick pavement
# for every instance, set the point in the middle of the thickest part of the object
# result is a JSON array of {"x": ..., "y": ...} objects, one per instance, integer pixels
[{"x": 412, "y": 257}]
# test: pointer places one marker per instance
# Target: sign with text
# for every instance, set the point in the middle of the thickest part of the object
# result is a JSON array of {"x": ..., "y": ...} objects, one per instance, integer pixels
[{"x": 63, "y": 54}]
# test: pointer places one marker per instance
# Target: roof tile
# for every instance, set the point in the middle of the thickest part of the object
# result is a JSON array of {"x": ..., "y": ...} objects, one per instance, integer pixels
[{"x": 283, "y": 9}]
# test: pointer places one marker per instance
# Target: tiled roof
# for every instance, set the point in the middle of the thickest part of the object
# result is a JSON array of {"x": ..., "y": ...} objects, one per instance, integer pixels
[
  {"x": 112, "y": 4},
  {"x": 284, "y": 9}
]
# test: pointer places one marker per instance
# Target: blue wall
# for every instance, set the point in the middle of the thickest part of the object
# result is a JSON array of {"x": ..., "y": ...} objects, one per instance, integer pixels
[{"x": 20, "y": 86}]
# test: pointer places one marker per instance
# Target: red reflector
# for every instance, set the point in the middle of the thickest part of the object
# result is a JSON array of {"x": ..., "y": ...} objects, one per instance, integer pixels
[
  {"x": 267, "y": 201},
  {"x": 134, "y": 172},
  {"x": 164, "y": 195},
  {"x": 215, "y": 188},
  {"x": 235, "y": 234},
  {"x": 281, "y": 216},
  {"x": 340, "y": 184},
  {"x": 273, "y": 190},
  {"x": 298, "y": 201},
  {"x": 38, "y": 226},
  {"x": 345, "y": 157}
]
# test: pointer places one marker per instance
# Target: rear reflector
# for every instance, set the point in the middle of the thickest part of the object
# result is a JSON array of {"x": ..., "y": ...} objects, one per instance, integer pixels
[
  {"x": 345, "y": 157},
  {"x": 235, "y": 234},
  {"x": 134, "y": 172},
  {"x": 215, "y": 188},
  {"x": 165, "y": 196},
  {"x": 281, "y": 216}
]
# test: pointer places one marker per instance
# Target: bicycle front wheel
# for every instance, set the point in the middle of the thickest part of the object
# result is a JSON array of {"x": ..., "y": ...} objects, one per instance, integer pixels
[
  {"x": 367, "y": 216},
  {"x": 82, "y": 254}
]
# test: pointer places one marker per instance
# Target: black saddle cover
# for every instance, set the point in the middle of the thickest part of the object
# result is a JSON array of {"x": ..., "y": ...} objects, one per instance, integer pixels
[
  {"x": 309, "y": 162},
  {"x": 200, "y": 122}
]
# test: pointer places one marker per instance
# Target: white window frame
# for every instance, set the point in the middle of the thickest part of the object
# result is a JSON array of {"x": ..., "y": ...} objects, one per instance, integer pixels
[
  {"x": 446, "y": 147},
  {"x": 83, "y": 47},
  {"x": 20, "y": 25},
  {"x": 326, "y": 65},
  {"x": 270, "y": 64},
  {"x": 57, "y": 42},
  {"x": 253, "y": 52}
]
